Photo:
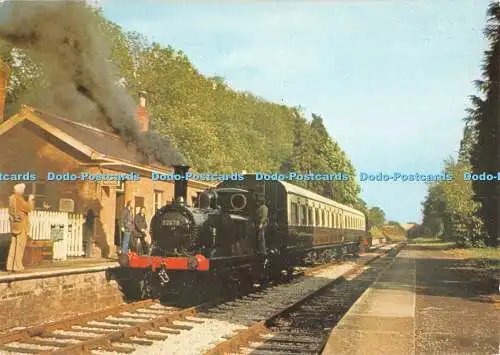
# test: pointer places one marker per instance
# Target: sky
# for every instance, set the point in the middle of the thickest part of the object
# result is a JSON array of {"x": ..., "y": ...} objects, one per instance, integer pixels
[{"x": 391, "y": 79}]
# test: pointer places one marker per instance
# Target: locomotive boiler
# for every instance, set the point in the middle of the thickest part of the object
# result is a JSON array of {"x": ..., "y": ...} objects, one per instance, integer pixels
[{"x": 206, "y": 245}]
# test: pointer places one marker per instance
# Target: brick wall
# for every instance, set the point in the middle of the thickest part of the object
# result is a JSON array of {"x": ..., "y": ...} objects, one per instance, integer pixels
[{"x": 30, "y": 302}]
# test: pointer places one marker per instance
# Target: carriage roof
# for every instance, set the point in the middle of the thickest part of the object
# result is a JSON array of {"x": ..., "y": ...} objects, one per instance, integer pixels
[{"x": 297, "y": 190}]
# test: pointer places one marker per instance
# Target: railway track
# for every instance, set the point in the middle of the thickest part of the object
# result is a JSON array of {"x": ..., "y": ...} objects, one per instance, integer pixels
[
  {"x": 148, "y": 327},
  {"x": 304, "y": 326}
]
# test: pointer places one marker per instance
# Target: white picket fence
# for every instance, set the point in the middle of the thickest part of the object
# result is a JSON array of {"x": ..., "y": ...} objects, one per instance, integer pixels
[{"x": 70, "y": 241}]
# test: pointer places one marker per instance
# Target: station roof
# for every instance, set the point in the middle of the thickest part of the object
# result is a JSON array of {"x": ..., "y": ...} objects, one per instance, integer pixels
[{"x": 103, "y": 148}]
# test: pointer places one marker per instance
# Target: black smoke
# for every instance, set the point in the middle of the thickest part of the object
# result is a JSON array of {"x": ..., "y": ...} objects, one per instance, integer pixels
[{"x": 65, "y": 39}]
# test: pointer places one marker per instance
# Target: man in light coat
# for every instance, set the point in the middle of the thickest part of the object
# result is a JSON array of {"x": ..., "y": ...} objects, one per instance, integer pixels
[{"x": 19, "y": 227}]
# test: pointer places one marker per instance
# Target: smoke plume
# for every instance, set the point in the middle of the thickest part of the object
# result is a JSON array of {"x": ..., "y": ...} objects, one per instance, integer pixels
[{"x": 64, "y": 38}]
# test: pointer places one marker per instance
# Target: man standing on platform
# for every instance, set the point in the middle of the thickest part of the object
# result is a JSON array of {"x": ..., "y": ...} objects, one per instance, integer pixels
[
  {"x": 141, "y": 235},
  {"x": 19, "y": 227},
  {"x": 127, "y": 226}
]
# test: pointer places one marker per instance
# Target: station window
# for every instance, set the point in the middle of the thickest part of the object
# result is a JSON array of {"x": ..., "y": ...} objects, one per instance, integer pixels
[
  {"x": 37, "y": 189},
  {"x": 310, "y": 216},
  {"x": 318, "y": 221},
  {"x": 158, "y": 200},
  {"x": 138, "y": 203}
]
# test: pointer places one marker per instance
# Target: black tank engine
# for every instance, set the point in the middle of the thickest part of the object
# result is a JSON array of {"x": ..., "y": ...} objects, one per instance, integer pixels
[{"x": 218, "y": 238}]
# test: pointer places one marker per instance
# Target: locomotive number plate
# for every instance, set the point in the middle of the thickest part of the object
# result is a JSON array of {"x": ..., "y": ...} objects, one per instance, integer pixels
[{"x": 171, "y": 223}]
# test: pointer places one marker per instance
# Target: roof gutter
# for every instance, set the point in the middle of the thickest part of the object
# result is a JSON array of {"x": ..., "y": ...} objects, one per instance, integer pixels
[{"x": 115, "y": 162}]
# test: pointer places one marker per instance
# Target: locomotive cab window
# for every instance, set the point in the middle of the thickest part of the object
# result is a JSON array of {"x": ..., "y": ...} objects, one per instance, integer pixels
[{"x": 207, "y": 200}]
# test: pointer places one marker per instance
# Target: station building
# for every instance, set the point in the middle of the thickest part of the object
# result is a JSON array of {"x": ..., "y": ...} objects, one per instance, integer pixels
[{"x": 37, "y": 142}]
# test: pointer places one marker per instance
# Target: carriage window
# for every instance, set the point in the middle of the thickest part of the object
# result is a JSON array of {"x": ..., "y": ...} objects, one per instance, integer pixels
[
  {"x": 294, "y": 214},
  {"x": 303, "y": 216}
]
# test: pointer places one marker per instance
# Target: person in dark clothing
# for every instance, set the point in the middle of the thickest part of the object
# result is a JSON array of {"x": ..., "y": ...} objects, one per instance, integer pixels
[
  {"x": 127, "y": 227},
  {"x": 88, "y": 232},
  {"x": 261, "y": 216},
  {"x": 141, "y": 232}
]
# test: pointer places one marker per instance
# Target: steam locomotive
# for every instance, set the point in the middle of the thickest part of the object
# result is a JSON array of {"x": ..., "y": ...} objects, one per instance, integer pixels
[{"x": 205, "y": 246}]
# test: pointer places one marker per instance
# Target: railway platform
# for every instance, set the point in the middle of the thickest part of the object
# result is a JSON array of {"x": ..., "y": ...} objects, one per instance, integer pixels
[
  {"x": 425, "y": 302},
  {"x": 57, "y": 291}
]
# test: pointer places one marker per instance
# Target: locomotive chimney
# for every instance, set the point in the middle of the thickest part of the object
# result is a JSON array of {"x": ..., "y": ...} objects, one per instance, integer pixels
[
  {"x": 142, "y": 115},
  {"x": 180, "y": 187}
]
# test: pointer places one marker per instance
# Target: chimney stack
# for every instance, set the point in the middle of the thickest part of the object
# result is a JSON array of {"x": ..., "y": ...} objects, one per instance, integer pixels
[
  {"x": 4, "y": 83},
  {"x": 142, "y": 116},
  {"x": 180, "y": 185}
]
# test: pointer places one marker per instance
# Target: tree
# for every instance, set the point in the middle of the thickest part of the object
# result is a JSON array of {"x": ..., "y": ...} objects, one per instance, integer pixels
[
  {"x": 484, "y": 117},
  {"x": 314, "y": 151},
  {"x": 376, "y": 217},
  {"x": 449, "y": 209},
  {"x": 216, "y": 128}
]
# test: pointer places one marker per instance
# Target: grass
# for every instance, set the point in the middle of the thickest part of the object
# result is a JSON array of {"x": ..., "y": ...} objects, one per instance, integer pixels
[
  {"x": 432, "y": 242},
  {"x": 489, "y": 257},
  {"x": 397, "y": 238},
  {"x": 476, "y": 253}
]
